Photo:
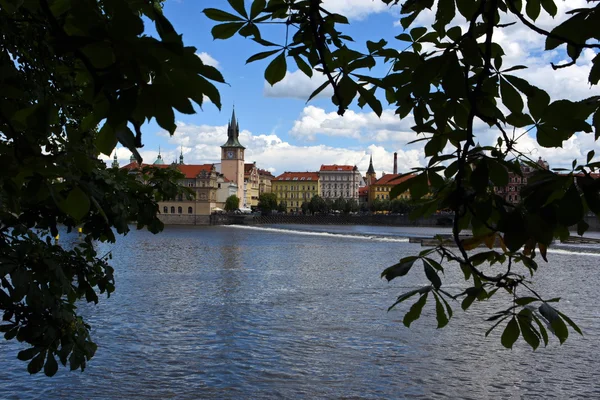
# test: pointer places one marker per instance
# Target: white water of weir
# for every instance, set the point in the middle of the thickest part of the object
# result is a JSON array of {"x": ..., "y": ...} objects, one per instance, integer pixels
[
  {"x": 380, "y": 238},
  {"x": 326, "y": 234}
]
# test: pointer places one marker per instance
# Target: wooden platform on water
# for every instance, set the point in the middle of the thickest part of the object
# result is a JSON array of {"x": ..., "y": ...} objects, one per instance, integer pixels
[{"x": 449, "y": 241}]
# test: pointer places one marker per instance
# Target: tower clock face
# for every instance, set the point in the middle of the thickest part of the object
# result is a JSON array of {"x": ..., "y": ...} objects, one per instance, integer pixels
[{"x": 230, "y": 154}]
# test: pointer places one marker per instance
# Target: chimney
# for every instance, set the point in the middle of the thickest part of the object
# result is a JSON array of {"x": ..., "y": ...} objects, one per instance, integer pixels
[{"x": 395, "y": 163}]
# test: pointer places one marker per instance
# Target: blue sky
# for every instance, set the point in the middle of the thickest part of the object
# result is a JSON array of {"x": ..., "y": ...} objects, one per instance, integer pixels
[{"x": 284, "y": 133}]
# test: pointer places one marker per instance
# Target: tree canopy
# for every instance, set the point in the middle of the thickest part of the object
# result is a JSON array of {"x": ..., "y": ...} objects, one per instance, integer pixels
[
  {"x": 267, "y": 202},
  {"x": 450, "y": 76},
  {"x": 77, "y": 77},
  {"x": 232, "y": 203}
]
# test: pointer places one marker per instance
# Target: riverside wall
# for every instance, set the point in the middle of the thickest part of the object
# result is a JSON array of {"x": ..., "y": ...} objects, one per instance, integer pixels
[{"x": 390, "y": 220}]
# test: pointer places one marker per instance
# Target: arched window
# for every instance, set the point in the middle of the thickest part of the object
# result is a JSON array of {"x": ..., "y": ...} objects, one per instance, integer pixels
[
  {"x": 172, "y": 210},
  {"x": 189, "y": 210},
  {"x": 165, "y": 210},
  {"x": 179, "y": 210}
]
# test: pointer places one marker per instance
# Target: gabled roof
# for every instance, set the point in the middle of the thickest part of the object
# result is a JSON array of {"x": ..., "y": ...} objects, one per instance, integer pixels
[
  {"x": 264, "y": 172},
  {"x": 392, "y": 179},
  {"x": 190, "y": 171},
  {"x": 248, "y": 168},
  {"x": 363, "y": 191},
  {"x": 336, "y": 167},
  {"x": 297, "y": 176}
]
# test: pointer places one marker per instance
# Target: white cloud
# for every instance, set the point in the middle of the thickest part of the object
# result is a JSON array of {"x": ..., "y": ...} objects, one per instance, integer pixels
[
  {"x": 357, "y": 125},
  {"x": 356, "y": 9},
  {"x": 201, "y": 144},
  {"x": 208, "y": 59},
  {"x": 298, "y": 86}
]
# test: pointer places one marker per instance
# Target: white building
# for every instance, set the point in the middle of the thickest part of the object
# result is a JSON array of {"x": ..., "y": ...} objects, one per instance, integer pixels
[{"x": 340, "y": 181}]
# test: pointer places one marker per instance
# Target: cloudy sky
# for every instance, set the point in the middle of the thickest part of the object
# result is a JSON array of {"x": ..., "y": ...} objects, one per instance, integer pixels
[{"x": 282, "y": 132}]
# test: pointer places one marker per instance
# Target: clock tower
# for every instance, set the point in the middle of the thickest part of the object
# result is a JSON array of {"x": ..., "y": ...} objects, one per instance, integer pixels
[{"x": 232, "y": 157}]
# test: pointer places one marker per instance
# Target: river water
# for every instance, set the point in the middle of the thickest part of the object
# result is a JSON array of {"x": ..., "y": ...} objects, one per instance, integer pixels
[{"x": 301, "y": 312}]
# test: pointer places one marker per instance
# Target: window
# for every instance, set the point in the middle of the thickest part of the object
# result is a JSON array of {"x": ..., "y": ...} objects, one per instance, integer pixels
[
  {"x": 179, "y": 210},
  {"x": 219, "y": 185},
  {"x": 189, "y": 210},
  {"x": 165, "y": 210},
  {"x": 172, "y": 210}
]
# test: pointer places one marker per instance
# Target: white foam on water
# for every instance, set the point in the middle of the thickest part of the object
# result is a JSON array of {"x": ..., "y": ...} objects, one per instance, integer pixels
[
  {"x": 326, "y": 234},
  {"x": 570, "y": 252}
]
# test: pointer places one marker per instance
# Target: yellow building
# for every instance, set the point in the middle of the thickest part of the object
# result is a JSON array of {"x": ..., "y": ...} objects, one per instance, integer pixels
[
  {"x": 264, "y": 181},
  {"x": 251, "y": 185},
  {"x": 295, "y": 188},
  {"x": 381, "y": 188}
]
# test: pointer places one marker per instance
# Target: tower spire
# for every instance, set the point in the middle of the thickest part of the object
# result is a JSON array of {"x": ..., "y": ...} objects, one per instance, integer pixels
[
  {"x": 115, "y": 163},
  {"x": 371, "y": 170},
  {"x": 181, "y": 156}
]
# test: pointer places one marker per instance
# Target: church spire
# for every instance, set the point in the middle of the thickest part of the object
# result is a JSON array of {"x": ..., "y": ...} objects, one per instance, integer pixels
[
  {"x": 233, "y": 132},
  {"x": 181, "y": 156},
  {"x": 371, "y": 170},
  {"x": 115, "y": 163}
]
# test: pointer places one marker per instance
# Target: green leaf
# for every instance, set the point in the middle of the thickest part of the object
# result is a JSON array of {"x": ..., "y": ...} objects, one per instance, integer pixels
[
  {"x": 409, "y": 294},
  {"x": 533, "y": 9},
  {"x": 260, "y": 56},
  {"x": 498, "y": 173},
  {"x": 371, "y": 100},
  {"x": 277, "y": 69},
  {"x": 415, "y": 311},
  {"x": 440, "y": 313},
  {"x": 375, "y": 46},
  {"x": 37, "y": 363},
  {"x": 557, "y": 324},
  {"x": 400, "y": 269},
  {"x": 550, "y": 7},
  {"x": 303, "y": 66},
  {"x": 570, "y": 207},
  {"x": 238, "y": 5},
  {"x": 510, "y": 334},
  {"x": 51, "y": 365},
  {"x": 219, "y": 15},
  {"x": 318, "y": 90},
  {"x": 257, "y": 7},
  {"x": 528, "y": 332},
  {"x": 165, "y": 117},
  {"x": 543, "y": 331},
  {"x": 28, "y": 354},
  {"x": 582, "y": 227},
  {"x": 77, "y": 204},
  {"x": 106, "y": 139},
  {"x": 416, "y": 33},
  {"x": 510, "y": 97},
  {"x": 522, "y": 301},
  {"x": 594, "y": 76},
  {"x": 419, "y": 186},
  {"x": 570, "y": 322},
  {"x": 227, "y": 30},
  {"x": 432, "y": 275}
]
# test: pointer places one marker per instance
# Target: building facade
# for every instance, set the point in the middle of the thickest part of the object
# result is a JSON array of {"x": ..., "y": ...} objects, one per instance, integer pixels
[
  {"x": 232, "y": 157},
  {"x": 251, "y": 180},
  {"x": 511, "y": 193},
  {"x": 264, "y": 181},
  {"x": 381, "y": 188},
  {"x": 340, "y": 181},
  {"x": 295, "y": 188},
  {"x": 225, "y": 188}
]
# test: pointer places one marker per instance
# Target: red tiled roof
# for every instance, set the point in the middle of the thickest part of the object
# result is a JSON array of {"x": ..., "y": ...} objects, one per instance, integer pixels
[
  {"x": 135, "y": 165},
  {"x": 363, "y": 191},
  {"x": 289, "y": 176},
  {"x": 266, "y": 173},
  {"x": 192, "y": 171},
  {"x": 248, "y": 168},
  {"x": 336, "y": 167},
  {"x": 391, "y": 179}
]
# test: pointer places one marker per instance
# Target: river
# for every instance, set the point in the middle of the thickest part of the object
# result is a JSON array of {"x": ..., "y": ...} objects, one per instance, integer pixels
[{"x": 301, "y": 312}]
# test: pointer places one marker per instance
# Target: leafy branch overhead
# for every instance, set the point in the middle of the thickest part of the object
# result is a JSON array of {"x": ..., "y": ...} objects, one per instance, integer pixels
[
  {"x": 448, "y": 76},
  {"x": 78, "y": 77}
]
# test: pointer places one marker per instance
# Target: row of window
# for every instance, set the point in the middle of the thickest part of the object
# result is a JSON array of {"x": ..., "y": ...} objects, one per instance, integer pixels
[
  {"x": 336, "y": 177},
  {"x": 517, "y": 179},
  {"x": 286, "y": 188},
  {"x": 335, "y": 194},
  {"x": 307, "y": 195},
  {"x": 179, "y": 210},
  {"x": 335, "y": 186}
]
